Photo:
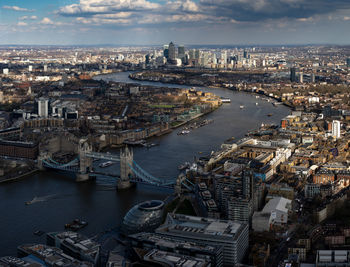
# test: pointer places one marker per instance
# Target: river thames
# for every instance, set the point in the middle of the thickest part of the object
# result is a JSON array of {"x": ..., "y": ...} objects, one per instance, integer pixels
[{"x": 99, "y": 203}]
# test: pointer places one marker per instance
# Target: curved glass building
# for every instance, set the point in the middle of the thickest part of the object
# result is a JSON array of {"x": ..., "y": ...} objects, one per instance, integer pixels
[{"x": 145, "y": 216}]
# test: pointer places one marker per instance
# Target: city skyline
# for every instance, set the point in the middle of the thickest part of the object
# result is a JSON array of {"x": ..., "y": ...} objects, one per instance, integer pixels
[
  {"x": 171, "y": 154},
  {"x": 152, "y": 22}
]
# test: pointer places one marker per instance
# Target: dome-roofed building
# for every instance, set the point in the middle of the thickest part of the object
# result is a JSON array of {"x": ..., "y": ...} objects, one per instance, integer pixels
[{"x": 145, "y": 216}]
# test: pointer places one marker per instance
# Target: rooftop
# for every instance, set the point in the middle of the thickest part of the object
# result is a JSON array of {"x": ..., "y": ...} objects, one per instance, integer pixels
[
  {"x": 192, "y": 225},
  {"x": 279, "y": 203},
  {"x": 78, "y": 242},
  {"x": 162, "y": 241},
  {"x": 174, "y": 259},
  {"x": 52, "y": 255}
]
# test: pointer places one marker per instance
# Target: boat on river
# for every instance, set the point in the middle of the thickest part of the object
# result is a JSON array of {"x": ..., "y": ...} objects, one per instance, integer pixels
[
  {"x": 75, "y": 225},
  {"x": 225, "y": 100},
  {"x": 183, "y": 132},
  {"x": 31, "y": 201},
  {"x": 184, "y": 166},
  {"x": 277, "y": 103},
  {"x": 106, "y": 164},
  {"x": 40, "y": 199},
  {"x": 134, "y": 142},
  {"x": 149, "y": 145},
  {"x": 39, "y": 233},
  {"x": 230, "y": 139}
]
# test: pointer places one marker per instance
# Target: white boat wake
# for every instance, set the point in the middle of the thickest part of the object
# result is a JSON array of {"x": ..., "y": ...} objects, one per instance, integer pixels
[{"x": 41, "y": 199}]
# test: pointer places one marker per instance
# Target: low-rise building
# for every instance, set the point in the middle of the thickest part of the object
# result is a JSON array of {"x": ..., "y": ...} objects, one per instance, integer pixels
[
  {"x": 275, "y": 213},
  {"x": 149, "y": 241},
  {"x": 165, "y": 258},
  {"x": 51, "y": 256},
  {"x": 333, "y": 258},
  {"x": 76, "y": 245},
  {"x": 232, "y": 236}
]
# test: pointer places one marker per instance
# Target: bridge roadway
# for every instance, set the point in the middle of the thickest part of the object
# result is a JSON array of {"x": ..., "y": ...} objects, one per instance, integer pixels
[
  {"x": 130, "y": 170},
  {"x": 106, "y": 156},
  {"x": 140, "y": 175},
  {"x": 134, "y": 180}
]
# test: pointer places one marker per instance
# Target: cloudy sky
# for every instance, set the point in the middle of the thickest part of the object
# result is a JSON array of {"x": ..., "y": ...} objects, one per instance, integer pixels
[{"x": 143, "y": 22}]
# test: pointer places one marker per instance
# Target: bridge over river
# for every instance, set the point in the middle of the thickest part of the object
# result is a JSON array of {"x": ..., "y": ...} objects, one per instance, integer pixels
[{"x": 130, "y": 172}]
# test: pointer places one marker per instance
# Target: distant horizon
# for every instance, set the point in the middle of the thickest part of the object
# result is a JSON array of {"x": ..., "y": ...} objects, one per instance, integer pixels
[
  {"x": 151, "y": 22},
  {"x": 176, "y": 43}
]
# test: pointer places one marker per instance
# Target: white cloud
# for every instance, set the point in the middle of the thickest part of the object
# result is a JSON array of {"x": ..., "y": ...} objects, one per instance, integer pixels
[
  {"x": 127, "y": 12},
  {"x": 46, "y": 21},
  {"x": 28, "y": 17},
  {"x": 101, "y": 21},
  {"x": 181, "y": 5},
  {"x": 154, "y": 19},
  {"x": 142, "y": 12},
  {"x": 106, "y": 6},
  {"x": 116, "y": 15},
  {"x": 17, "y": 8},
  {"x": 305, "y": 19},
  {"x": 22, "y": 23}
]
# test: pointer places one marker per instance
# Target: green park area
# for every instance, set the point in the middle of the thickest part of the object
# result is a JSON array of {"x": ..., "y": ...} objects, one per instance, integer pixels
[{"x": 161, "y": 106}]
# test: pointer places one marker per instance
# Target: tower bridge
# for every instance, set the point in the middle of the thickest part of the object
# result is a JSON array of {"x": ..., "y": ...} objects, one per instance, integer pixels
[{"x": 130, "y": 171}]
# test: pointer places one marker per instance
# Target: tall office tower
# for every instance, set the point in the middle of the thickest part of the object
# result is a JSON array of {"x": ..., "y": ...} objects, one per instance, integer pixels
[
  {"x": 293, "y": 74},
  {"x": 224, "y": 57},
  {"x": 348, "y": 62},
  {"x": 336, "y": 129},
  {"x": 147, "y": 58},
  {"x": 226, "y": 188},
  {"x": 181, "y": 52},
  {"x": 312, "y": 78},
  {"x": 191, "y": 54},
  {"x": 43, "y": 107},
  {"x": 301, "y": 77},
  {"x": 204, "y": 59},
  {"x": 186, "y": 58},
  {"x": 166, "y": 51},
  {"x": 240, "y": 209},
  {"x": 259, "y": 195},
  {"x": 172, "y": 51},
  {"x": 247, "y": 183},
  {"x": 215, "y": 60},
  {"x": 245, "y": 54},
  {"x": 196, "y": 54}
]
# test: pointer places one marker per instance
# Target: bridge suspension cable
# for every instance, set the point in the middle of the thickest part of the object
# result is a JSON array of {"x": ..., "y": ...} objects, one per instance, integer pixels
[
  {"x": 74, "y": 161},
  {"x": 64, "y": 167},
  {"x": 148, "y": 178}
]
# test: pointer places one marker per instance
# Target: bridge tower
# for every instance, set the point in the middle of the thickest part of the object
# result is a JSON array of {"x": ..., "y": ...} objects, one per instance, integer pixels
[
  {"x": 85, "y": 162},
  {"x": 42, "y": 156},
  {"x": 126, "y": 161}
]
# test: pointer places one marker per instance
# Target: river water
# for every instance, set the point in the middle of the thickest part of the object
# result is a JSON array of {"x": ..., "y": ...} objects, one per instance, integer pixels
[{"x": 62, "y": 200}]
